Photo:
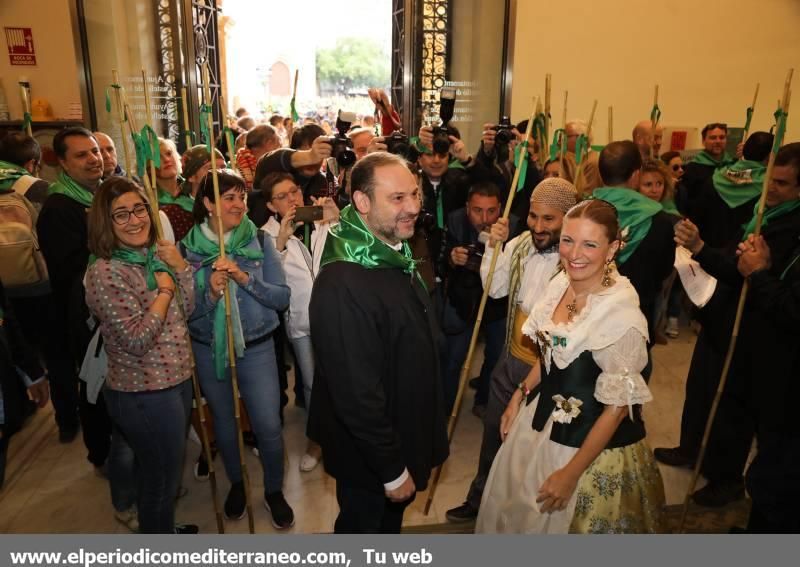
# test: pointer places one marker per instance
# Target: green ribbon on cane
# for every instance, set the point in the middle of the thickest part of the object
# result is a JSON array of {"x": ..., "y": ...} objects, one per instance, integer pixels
[
  {"x": 559, "y": 143},
  {"x": 749, "y": 119},
  {"x": 228, "y": 134},
  {"x": 780, "y": 128},
  {"x": 581, "y": 148},
  {"x": 147, "y": 149},
  {"x": 205, "y": 134},
  {"x": 26, "y": 121},
  {"x": 521, "y": 162},
  {"x": 655, "y": 114}
]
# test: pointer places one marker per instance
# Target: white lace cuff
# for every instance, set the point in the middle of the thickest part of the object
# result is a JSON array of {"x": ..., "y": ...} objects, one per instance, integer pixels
[{"x": 622, "y": 389}]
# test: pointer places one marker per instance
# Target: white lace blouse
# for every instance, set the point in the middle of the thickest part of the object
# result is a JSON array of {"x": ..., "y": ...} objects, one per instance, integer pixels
[{"x": 610, "y": 325}]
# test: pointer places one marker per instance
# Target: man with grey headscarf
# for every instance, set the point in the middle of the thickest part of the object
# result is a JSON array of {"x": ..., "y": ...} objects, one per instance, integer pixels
[{"x": 522, "y": 273}]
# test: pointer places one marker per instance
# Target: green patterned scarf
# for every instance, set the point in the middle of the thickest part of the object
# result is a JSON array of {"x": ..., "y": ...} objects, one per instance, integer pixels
[
  {"x": 67, "y": 186},
  {"x": 769, "y": 214},
  {"x": 705, "y": 158},
  {"x": 152, "y": 264},
  {"x": 9, "y": 174},
  {"x": 635, "y": 213},
  {"x": 352, "y": 241},
  {"x": 182, "y": 200},
  {"x": 198, "y": 242},
  {"x": 740, "y": 182}
]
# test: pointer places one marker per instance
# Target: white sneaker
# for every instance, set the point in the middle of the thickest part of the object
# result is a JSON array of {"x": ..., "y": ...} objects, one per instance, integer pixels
[
  {"x": 672, "y": 328},
  {"x": 308, "y": 463}
]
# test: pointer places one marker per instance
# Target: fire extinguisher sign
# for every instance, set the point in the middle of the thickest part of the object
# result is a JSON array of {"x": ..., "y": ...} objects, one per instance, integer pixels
[{"x": 20, "y": 46}]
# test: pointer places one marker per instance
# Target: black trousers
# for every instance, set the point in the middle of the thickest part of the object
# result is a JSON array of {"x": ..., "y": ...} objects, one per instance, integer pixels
[{"x": 364, "y": 511}]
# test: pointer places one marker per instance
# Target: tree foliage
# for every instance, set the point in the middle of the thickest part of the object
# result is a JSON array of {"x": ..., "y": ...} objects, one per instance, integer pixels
[{"x": 354, "y": 63}]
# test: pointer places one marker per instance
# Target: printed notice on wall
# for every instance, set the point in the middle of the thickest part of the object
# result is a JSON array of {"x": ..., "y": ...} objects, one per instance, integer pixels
[{"x": 20, "y": 46}]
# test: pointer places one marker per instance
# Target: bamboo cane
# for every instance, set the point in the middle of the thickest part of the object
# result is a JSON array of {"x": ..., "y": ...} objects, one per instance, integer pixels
[
  {"x": 542, "y": 140},
  {"x": 126, "y": 149},
  {"x": 227, "y": 299},
  {"x": 784, "y": 105},
  {"x": 228, "y": 142},
  {"x": 562, "y": 172},
  {"x": 152, "y": 195},
  {"x": 187, "y": 132},
  {"x": 25, "y": 94},
  {"x": 752, "y": 108},
  {"x": 610, "y": 124},
  {"x": 148, "y": 119},
  {"x": 653, "y": 124},
  {"x": 585, "y": 153},
  {"x": 451, "y": 425},
  {"x": 548, "y": 84}
]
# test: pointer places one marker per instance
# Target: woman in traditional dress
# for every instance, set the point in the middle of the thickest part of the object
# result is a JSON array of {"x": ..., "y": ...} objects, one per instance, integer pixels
[{"x": 574, "y": 457}]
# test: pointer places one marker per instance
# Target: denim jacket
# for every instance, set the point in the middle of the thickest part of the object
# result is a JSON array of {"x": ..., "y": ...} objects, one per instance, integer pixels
[{"x": 265, "y": 294}]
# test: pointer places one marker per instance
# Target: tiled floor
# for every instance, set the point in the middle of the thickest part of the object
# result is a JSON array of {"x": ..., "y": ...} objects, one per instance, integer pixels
[{"x": 51, "y": 488}]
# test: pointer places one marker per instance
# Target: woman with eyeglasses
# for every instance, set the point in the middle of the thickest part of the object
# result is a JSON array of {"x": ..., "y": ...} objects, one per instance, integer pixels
[
  {"x": 131, "y": 289},
  {"x": 300, "y": 257},
  {"x": 252, "y": 276}
]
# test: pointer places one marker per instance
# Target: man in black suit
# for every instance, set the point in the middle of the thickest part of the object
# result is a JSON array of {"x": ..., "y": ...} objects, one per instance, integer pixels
[{"x": 376, "y": 403}]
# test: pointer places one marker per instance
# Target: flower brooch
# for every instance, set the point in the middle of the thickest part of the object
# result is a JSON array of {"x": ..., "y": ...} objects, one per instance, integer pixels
[{"x": 566, "y": 410}]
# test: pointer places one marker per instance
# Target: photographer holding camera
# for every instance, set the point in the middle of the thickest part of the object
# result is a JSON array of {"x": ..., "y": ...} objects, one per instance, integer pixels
[
  {"x": 495, "y": 162},
  {"x": 467, "y": 233},
  {"x": 303, "y": 160}
]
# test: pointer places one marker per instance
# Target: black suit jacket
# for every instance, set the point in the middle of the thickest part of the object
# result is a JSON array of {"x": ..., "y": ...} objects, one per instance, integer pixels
[{"x": 376, "y": 403}]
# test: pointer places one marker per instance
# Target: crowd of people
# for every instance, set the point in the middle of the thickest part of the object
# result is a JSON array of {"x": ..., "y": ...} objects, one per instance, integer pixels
[{"x": 363, "y": 258}]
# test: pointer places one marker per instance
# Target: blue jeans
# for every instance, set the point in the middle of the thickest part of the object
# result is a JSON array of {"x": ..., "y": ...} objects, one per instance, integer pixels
[
  {"x": 154, "y": 424},
  {"x": 260, "y": 391},
  {"x": 304, "y": 357},
  {"x": 122, "y": 471}
]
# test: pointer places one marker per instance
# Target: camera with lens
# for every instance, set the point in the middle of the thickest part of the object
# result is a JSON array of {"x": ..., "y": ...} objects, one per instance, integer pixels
[
  {"x": 474, "y": 257},
  {"x": 399, "y": 144},
  {"x": 504, "y": 131},
  {"x": 425, "y": 221},
  {"x": 442, "y": 133},
  {"x": 341, "y": 145}
]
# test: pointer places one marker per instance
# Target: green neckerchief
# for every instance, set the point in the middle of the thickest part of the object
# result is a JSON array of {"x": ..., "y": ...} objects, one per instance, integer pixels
[
  {"x": 182, "y": 200},
  {"x": 352, "y": 241},
  {"x": 67, "y": 186},
  {"x": 704, "y": 158},
  {"x": 197, "y": 242},
  {"x": 740, "y": 182},
  {"x": 670, "y": 208},
  {"x": 635, "y": 213},
  {"x": 769, "y": 214},
  {"x": 151, "y": 263},
  {"x": 9, "y": 174}
]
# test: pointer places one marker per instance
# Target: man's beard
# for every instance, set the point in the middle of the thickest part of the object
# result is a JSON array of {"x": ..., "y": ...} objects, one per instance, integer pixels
[
  {"x": 549, "y": 243},
  {"x": 390, "y": 232}
]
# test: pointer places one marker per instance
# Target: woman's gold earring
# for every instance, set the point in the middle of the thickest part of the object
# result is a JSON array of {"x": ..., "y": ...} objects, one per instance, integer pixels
[{"x": 607, "y": 275}]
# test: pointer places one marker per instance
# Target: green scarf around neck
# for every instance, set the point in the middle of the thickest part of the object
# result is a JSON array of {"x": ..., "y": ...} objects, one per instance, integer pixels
[
  {"x": 769, "y": 214},
  {"x": 705, "y": 158},
  {"x": 635, "y": 213},
  {"x": 182, "y": 200},
  {"x": 669, "y": 207},
  {"x": 67, "y": 186},
  {"x": 152, "y": 264},
  {"x": 9, "y": 174},
  {"x": 352, "y": 241},
  {"x": 197, "y": 242},
  {"x": 738, "y": 183}
]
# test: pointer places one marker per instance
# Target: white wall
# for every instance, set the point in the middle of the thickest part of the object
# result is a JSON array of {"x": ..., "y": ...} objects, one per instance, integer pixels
[
  {"x": 705, "y": 55},
  {"x": 55, "y": 76}
]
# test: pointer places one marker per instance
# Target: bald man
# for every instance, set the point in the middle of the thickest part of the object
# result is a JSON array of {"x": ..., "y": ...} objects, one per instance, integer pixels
[
  {"x": 108, "y": 150},
  {"x": 644, "y": 139}
]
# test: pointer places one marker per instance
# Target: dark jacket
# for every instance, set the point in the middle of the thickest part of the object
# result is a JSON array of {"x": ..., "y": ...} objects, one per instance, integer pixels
[
  {"x": 719, "y": 225},
  {"x": 14, "y": 353},
  {"x": 695, "y": 175},
  {"x": 63, "y": 237},
  {"x": 454, "y": 186},
  {"x": 463, "y": 283},
  {"x": 376, "y": 404},
  {"x": 649, "y": 266}
]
